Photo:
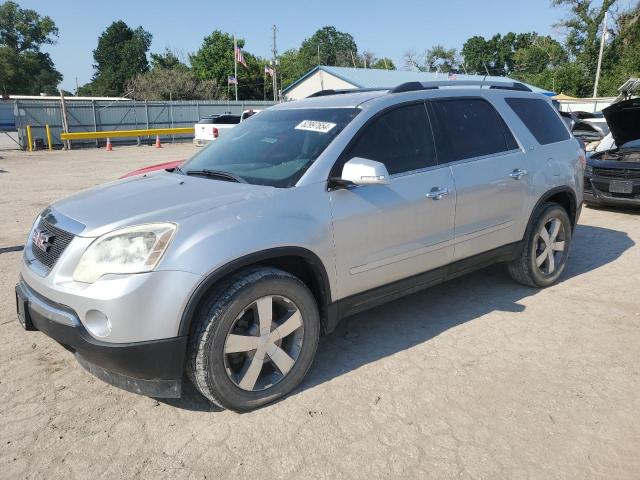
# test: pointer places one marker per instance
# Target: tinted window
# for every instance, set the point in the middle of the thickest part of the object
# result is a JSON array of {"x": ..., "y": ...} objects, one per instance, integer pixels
[
  {"x": 228, "y": 120},
  {"x": 540, "y": 118},
  {"x": 400, "y": 138},
  {"x": 470, "y": 127}
]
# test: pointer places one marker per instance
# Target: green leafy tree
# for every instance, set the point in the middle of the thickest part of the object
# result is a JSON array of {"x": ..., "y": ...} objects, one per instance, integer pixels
[
  {"x": 369, "y": 59},
  {"x": 622, "y": 56},
  {"x": 583, "y": 39},
  {"x": 121, "y": 54},
  {"x": 24, "y": 68},
  {"x": 328, "y": 46},
  {"x": 383, "y": 63},
  {"x": 161, "y": 83},
  {"x": 168, "y": 60},
  {"x": 441, "y": 59},
  {"x": 290, "y": 67},
  {"x": 214, "y": 61}
]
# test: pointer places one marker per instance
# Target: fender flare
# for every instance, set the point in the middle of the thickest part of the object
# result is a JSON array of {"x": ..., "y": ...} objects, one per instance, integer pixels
[{"x": 312, "y": 260}]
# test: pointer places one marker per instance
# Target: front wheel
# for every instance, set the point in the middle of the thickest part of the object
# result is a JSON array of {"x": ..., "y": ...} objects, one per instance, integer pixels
[
  {"x": 254, "y": 340},
  {"x": 546, "y": 248}
]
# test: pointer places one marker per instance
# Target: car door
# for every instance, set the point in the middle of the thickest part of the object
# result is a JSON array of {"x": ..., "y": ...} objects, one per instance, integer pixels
[
  {"x": 490, "y": 173},
  {"x": 385, "y": 233}
]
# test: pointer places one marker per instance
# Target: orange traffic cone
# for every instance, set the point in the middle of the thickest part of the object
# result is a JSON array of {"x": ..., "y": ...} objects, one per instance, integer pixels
[
  {"x": 109, "y": 147},
  {"x": 158, "y": 142}
]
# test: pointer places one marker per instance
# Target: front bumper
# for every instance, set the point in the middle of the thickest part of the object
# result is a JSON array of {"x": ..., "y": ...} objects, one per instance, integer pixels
[
  {"x": 153, "y": 368},
  {"x": 595, "y": 193}
]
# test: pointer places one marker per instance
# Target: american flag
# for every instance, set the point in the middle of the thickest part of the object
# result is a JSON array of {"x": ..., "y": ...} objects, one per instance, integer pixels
[
  {"x": 268, "y": 70},
  {"x": 231, "y": 80},
  {"x": 240, "y": 57}
]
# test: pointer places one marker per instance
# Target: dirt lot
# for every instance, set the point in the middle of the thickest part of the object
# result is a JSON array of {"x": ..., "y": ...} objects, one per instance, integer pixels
[{"x": 477, "y": 378}]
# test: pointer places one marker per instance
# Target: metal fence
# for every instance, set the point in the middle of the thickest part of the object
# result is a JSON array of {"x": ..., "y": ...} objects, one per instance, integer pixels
[{"x": 94, "y": 116}]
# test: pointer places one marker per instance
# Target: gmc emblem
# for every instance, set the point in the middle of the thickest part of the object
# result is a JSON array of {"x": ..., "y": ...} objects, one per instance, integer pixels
[{"x": 42, "y": 240}]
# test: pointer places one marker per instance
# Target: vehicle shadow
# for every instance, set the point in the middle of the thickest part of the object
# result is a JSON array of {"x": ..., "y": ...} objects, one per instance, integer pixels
[
  {"x": 616, "y": 208},
  {"x": 417, "y": 318}
]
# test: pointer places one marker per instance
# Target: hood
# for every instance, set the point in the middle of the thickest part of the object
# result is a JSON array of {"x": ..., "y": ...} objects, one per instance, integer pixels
[
  {"x": 624, "y": 120},
  {"x": 158, "y": 197}
]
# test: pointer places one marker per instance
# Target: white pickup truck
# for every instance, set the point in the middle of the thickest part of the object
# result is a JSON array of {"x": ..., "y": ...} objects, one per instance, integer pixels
[{"x": 210, "y": 128}]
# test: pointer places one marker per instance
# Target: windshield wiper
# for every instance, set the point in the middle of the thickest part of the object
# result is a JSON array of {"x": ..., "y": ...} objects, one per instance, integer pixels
[{"x": 219, "y": 174}]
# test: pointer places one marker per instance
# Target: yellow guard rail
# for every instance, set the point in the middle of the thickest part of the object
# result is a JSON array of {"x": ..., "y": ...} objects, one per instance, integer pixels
[{"x": 126, "y": 133}]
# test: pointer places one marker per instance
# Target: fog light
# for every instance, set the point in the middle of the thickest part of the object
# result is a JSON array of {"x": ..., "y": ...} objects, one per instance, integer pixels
[{"x": 97, "y": 323}]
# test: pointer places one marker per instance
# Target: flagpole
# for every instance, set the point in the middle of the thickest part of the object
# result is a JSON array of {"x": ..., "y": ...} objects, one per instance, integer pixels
[{"x": 235, "y": 63}]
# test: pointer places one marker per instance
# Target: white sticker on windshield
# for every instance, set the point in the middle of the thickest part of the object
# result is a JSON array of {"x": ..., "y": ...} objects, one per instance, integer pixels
[{"x": 315, "y": 126}]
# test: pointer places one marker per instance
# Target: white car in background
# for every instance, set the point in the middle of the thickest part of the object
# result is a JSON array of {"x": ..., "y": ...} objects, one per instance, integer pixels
[{"x": 210, "y": 128}]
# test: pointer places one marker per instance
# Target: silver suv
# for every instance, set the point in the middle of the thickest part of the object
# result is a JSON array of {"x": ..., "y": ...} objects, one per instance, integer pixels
[{"x": 232, "y": 266}]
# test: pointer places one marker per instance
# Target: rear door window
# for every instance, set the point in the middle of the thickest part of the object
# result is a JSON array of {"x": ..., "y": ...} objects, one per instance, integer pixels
[
  {"x": 540, "y": 118},
  {"x": 400, "y": 138},
  {"x": 468, "y": 128}
]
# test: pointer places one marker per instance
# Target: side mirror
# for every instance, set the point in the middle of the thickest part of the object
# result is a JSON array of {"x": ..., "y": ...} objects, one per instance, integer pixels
[{"x": 362, "y": 171}]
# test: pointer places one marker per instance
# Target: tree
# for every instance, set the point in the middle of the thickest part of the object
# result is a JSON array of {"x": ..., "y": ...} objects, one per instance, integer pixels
[
  {"x": 168, "y": 60},
  {"x": 328, "y": 46},
  {"x": 383, "y": 63},
  {"x": 368, "y": 59},
  {"x": 290, "y": 67},
  {"x": 583, "y": 42},
  {"x": 161, "y": 83},
  {"x": 121, "y": 54},
  {"x": 24, "y": 69},
  {"x": 435, "y": 59},
  {"x": 622, "y": 56},
  {"x": 214, "y": 61},
  {"x": 441, "y": 59},
  {"x": 171, "y": 79}
]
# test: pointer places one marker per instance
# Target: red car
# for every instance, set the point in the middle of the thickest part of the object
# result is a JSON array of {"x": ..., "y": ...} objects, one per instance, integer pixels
[{"x": 153, "y": 168}]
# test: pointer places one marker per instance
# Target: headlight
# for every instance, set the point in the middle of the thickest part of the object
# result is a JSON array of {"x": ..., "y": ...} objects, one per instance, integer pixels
[
  {"x": 588, "y": 170},
  {"x": 128, "y": 250}
]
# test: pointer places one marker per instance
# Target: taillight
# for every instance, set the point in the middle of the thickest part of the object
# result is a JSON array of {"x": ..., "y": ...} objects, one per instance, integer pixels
[{"x": 215, "y": 132}]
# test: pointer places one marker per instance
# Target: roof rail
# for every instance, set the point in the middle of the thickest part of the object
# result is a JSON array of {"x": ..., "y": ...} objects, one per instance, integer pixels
[
  {"x": 324, "y": 93},
  {"x": 413, "y": 86}
]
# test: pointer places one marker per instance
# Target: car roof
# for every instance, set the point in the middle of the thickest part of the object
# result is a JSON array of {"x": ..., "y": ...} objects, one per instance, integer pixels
[{"x": 376, "y": 98}]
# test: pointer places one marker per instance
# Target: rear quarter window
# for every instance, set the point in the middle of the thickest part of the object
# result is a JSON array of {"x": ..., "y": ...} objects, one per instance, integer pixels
[{"x": 540, "y": 118}]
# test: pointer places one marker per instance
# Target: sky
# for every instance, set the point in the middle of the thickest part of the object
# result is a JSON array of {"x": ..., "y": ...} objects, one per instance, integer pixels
[{"x": 386, "y": 28}]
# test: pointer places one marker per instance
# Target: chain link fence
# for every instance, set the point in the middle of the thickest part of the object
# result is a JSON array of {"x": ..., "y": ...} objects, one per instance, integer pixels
[{"x": 95, "y": 116}]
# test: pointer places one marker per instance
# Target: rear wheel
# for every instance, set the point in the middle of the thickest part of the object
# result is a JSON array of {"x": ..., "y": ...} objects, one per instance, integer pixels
[
  {"x": 546, "y": 248},
  {"x": 254, "y": 340}
]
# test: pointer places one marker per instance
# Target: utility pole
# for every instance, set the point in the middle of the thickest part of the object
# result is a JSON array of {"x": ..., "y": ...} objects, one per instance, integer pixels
[
  {"x": 274, "y": 77},
  {"x": 602, "y": 40},
  {"x": 235, "y": 63}
]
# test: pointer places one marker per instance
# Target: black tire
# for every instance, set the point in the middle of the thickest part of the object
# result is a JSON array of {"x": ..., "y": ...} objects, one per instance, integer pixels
[
  {"x": 208, "y": 361},
  {"x": 524, "y": 269}
]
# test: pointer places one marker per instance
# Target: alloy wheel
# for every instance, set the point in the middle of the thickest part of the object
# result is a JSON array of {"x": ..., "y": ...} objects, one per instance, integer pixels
[
  {"x": 263, "y": 343},
  {"x": 549, "y": 246}
]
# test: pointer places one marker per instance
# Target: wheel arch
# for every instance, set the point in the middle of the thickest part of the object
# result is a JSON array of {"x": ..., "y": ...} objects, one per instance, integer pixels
[
  {"x": 563, "y": 196},
  {"x": 297, "y": 261}
]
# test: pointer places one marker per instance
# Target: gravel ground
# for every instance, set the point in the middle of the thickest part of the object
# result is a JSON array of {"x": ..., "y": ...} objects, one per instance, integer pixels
[{"x": 476, "y": 378}]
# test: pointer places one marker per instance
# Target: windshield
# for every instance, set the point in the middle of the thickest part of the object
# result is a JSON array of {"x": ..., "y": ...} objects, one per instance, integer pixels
[{"x": 274, "y": 148}]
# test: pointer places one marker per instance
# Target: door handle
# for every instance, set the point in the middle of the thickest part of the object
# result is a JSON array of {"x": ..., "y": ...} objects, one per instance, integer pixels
[
  {"x": 517, "y": 174},
  {"x": 437, "y": 193}
]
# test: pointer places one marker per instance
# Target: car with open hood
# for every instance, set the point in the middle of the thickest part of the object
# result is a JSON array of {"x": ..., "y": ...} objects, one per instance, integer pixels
[{"x": 612, "y": 176}]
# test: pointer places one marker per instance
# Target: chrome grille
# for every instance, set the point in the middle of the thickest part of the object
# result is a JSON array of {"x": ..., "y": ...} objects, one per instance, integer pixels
[{"x": 58, "y": 242}]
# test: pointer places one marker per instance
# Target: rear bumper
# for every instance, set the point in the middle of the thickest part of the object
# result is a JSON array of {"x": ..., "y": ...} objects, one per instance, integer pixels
[{"x": 153, "y": 368}]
